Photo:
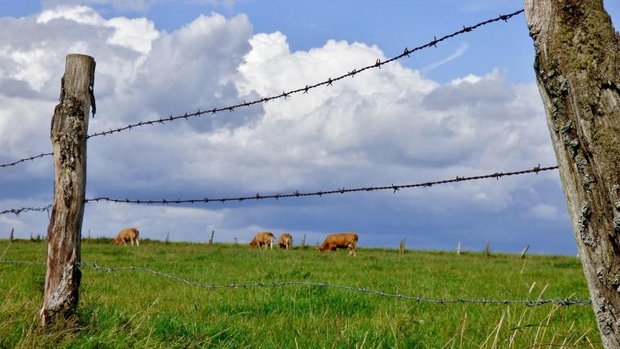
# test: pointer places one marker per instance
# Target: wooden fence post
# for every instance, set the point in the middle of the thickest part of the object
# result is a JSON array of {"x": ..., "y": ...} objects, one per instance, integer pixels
[
  {"x": 11, "y": 235},
  {"x": 458, "y": 248},
  {"x": 577, "y": 53},
  {"x": 524, "y": 251},
  {"x": 211, "y": 239},
  {"x": 68, "y": 135},
  {"x": 303, "y": 242},
  {"x": 487, "y": 249}
]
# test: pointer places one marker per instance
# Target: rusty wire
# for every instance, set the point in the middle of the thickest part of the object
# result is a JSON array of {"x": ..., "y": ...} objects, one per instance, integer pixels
[
  {"x": 297, "y": 193},
  {"x": 213, "y": 111}
]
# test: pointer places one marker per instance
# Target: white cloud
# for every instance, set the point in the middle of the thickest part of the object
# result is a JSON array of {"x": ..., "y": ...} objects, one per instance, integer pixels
[
  {"x": 544, "y": 212},
  {"x": 78, "y": 14},
  {"x": 137, "y": 34},
  {"x": 139, "y": 6}
]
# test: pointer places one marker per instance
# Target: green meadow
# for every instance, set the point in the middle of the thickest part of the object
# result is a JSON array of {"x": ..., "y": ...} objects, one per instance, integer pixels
[{"x": 155, "y": 296}]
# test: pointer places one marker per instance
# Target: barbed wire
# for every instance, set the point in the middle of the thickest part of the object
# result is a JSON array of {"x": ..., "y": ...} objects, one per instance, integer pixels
[
  {"x": 22, "y": 262},
  {"x": 256, "y": 284},
  {"x": 245, "y": 285},
  {"x": 26, "y": 159},
  {"x": 297, "y": 193},
  {"x": 18, "y": 211},
  {"x": 328, "y": 82},
  {"x": 213, "y": 111}
]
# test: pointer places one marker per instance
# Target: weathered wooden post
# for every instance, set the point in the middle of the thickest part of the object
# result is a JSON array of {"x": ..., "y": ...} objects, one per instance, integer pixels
[
  {"x": 68, "y": 134},
  {"x": 458, "y": 248},
  {"x": 577, "y": 68},
  {"x": 487, "y": 249},
  {"x": 402, "y": 246},
  {"x": 211, "y": 239},
  {"x": 303, "y": 242}
]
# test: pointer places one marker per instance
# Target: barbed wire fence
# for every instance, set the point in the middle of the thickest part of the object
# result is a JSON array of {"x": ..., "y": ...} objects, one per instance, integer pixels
[
  {"x": 215, "y": 111},
  {"x": 274, "y": 284}
]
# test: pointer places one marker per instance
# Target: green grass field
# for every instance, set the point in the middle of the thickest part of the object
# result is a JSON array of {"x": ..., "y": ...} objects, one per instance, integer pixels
[{"x": 141, "y": 309}]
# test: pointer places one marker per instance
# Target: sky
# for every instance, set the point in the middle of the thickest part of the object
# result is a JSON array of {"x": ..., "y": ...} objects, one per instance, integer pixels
[{"x": 468, "y": 107}]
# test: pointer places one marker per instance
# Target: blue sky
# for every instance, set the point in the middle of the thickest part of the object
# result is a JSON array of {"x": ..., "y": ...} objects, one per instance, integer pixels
[{"x": 468, "y": 107}]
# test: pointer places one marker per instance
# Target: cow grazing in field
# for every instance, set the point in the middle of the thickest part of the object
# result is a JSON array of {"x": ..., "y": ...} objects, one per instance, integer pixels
[
  {"x": 262, "y": 238},
  {"x": 340, "y": 240},
  {"x": 285, "y": 240},
  {"x": 128, "y": 234}
]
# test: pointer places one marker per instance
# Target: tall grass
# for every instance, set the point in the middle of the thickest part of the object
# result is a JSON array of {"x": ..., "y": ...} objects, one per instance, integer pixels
[{"x": 132, "y": 308}]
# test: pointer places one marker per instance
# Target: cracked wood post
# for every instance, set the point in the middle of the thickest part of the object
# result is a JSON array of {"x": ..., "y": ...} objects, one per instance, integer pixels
[
  {"x": 68, "y": 134},
  {"x": 577, "y": 68}
]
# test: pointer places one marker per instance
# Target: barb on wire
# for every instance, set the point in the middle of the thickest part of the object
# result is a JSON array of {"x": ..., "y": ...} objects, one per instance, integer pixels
[
  {"x": 285, "y": 94},
  {"x": 527, "y": 302},
  {"x": 17, "y": 211},
  {"x": 277, "y": 196}
]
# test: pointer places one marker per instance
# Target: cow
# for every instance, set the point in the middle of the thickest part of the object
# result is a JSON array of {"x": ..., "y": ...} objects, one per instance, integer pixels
[
  {"x": 285, "y": 240},
  {"x": 128, "y": 234},
  {"x": 262, "y": 238},
  {"x": 339, "y": 240}
]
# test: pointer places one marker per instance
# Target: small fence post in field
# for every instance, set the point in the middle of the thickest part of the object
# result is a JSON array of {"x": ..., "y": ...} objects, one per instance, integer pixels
[
  {"x": 524, "y": 251},
  {"x": 303, "y": 242},
  {"x": 487, "y": 249},
  {"x": 458, "y": 248},
  {"x": 402, "y": 246},
  {"x": 211, "y": 239},
  {"x": 11, "y": 234},
  {"x": 68, "y": 135}
]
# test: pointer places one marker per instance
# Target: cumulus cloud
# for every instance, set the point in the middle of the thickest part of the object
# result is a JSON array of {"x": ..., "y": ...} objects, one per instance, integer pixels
[
  {"x": 388, "y": 125},
  {"x": 139, "y": 6}
]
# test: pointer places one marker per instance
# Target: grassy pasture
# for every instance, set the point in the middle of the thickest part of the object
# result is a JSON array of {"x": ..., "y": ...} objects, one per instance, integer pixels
[{"x": 139, "y": 309}]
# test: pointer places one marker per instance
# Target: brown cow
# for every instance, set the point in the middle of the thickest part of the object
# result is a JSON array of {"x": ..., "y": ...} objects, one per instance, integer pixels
[
  {"x": 128, "y": 234},
  {"x": 285, "y": 240},
  {"x": 340, "y": 240},
  {"x": 262, "y": 238}
]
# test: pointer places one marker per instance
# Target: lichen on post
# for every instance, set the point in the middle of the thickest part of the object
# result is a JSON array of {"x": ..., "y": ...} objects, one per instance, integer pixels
[
  {"x": 68, "y": 134},
  {"x": 577, "y": 69}
]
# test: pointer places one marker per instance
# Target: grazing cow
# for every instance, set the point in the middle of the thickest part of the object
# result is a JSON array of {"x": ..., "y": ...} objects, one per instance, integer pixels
[
  {"x": 285, "y": 241},
  {"x": 128, "y": 234},
  {"x": 262, "y": 238},
  {"x": 341, "y": 240}
]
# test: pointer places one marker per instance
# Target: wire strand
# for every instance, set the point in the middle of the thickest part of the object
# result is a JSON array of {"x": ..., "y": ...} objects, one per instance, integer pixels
[
  {"x": 213, "y": 111},
  {"x": 298, "y": 194}
]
